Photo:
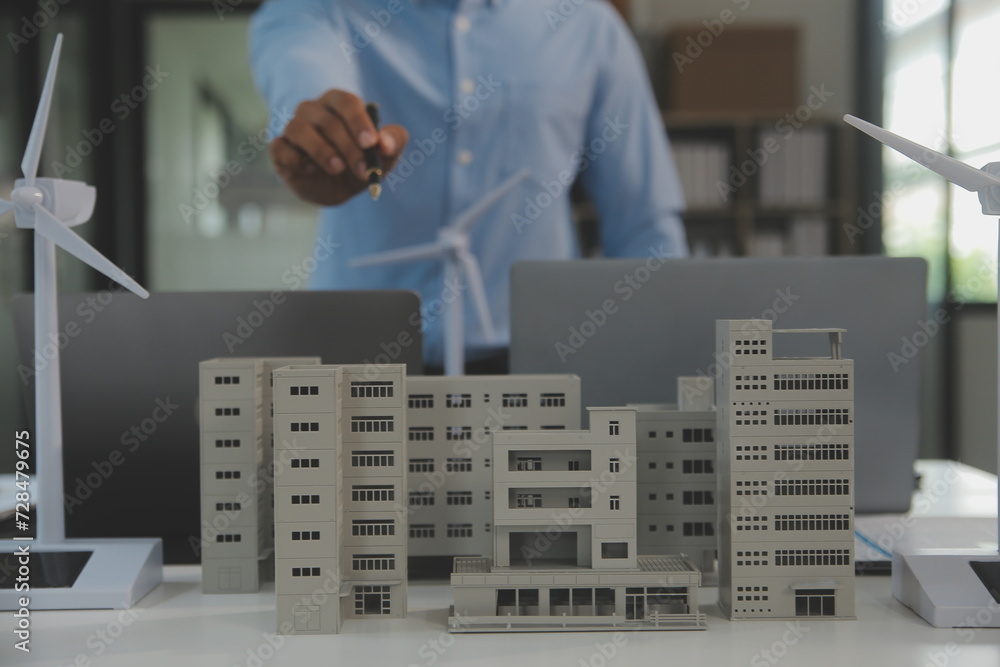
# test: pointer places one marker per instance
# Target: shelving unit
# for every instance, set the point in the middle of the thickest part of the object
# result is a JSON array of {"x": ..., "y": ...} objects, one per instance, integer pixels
[{"x": 758, "y": 186}]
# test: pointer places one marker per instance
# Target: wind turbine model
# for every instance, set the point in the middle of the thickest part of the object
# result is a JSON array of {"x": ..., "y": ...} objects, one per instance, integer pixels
[
  {"x": 80, "y": 574},
  {"x": 452, "y": 246},
  {"x": 948, "y": 587}
]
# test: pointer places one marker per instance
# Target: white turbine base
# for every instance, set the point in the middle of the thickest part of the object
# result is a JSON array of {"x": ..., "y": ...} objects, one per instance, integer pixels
[{"x": 120, "y": 572}]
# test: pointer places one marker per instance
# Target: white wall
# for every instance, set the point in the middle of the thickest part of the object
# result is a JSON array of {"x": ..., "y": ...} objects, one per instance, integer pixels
[{"x": 828, "y": 35}]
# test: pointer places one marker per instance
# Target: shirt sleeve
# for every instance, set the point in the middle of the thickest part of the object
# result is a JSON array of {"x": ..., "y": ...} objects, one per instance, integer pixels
[
  {"x": 631, "y": 175},
  {"x": 299, "y": 49}
]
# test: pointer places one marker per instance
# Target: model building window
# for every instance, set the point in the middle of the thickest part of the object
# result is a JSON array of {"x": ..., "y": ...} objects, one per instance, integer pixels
[
  {"x": 379, "y": 459},
  {"x": 459, "y": 530},
  {"x": 380, "y": 424},
  {"x": 421, "y": 465},
  {"x": 613, "y": 428},
  {"x": 458, "y": 433},
  {"x": 573, "y": 502},
  {"x": 371, "y": 390},
  {"x": 698, "y": 498},
  {"x": 382, "y": 493},
  {"x": 304, "y": 390},
  {"x": 373, "y": 527},
  {"x": 515, "y": 428},
  {"x": 459, "y": 498},
  {"x": 553, "y": 427},
  {"x": 227, "y": 379},
  {"x": 573, "y": 465},
  {"x": 528, "y": 500},
  {"x": 458, "y": 465},
  {"x": 421, "y": 433},
  {"x": 553, "y": 400},
  {"x": 305, "y": 499},
  {"x": 458, "y": 401},
  {"x": 227, "y": 412},
  {"x": 229, "y": 538},
  {"x": 305, "y": 535},
  {"x": 815, "y": 602},
  {"x": 527, "y": 463},
  {"x": 227, "y": 474},
  {"x": 698, "y": 434},
  {"x": 615, "y": 465},
  {"x": 698, "y": 529},
  {"x": 421, "y": 498},
  {"x": 370, "y": 562},
  {"x": 228, "y": 507},
  {"x": 305, "y": 572},
  {"x": 228, "y": 443},
  {"x": 421, "y": 401},
  {"x": 372, "y": 601},
  {"x": 615, "y": 502},
  {"x": 305, "y": 426},
  {"x": 305, "y": 463},
  {"x": 515, "y": 400},
  {"x": 422, "y": 531},
  {"x": 614, "y": 549},
  {"x": 698, "y": 466}
]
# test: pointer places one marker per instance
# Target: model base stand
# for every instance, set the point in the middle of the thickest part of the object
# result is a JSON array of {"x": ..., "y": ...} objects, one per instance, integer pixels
[{"x": 949, "y": 588}]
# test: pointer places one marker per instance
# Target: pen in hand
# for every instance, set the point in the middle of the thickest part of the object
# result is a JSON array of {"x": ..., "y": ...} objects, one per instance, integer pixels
[{"x": 373, "y": 160}]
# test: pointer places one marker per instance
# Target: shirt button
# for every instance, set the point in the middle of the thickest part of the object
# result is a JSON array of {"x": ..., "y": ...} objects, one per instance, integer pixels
[
  {"x": 465, "y": 157},
  {"x": 462, "y": 24},
  {"x": 468, "y": 86}
]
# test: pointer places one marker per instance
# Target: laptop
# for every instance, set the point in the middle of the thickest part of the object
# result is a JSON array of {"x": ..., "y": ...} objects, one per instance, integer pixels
[
  {"x": 630, "y": 327},
  {"x": 130, "y": 388}
]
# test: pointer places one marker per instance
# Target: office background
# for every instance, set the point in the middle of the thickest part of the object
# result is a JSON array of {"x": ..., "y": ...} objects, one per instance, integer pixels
[{"x": 155, "y": 98}]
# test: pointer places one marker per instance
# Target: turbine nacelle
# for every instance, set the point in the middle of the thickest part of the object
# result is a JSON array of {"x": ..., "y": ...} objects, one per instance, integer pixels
[
  {"x": 989, "y": 197},
  {"x": 69, "y": 202}
]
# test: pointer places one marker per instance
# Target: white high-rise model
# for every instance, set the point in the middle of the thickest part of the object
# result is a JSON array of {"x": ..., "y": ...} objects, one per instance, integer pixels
[
  {"x": 452, "y": 246},
  {"x": 947, "y": 587},
  {"x": 117, "y": 573}
]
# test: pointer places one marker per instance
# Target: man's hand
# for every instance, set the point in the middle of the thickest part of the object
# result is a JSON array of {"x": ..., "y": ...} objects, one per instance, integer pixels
[{"x": 320, "y": 155}]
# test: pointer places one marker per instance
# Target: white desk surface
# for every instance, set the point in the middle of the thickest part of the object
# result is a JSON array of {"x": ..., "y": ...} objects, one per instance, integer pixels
[{"x": 176, "y": 625}]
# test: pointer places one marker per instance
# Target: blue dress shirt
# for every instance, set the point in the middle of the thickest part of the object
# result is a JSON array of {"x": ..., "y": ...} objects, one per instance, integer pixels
[{"x": 484, "y": 87}]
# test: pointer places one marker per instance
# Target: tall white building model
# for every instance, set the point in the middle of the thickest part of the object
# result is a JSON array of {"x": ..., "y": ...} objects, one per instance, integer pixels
[
  {"x": 340, "y": 485},
  {"x": 676, "y": 478},
  {"x": 449, "y": 419},
  {"x": 786, "y": 435},
  {"x": 237, "y": 445},
  {"x": 565, "y": 550}
]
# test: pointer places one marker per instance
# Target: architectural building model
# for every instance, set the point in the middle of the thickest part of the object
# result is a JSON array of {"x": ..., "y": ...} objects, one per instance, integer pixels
[
  {"x": 676, "y": 479},
  {"x": 451, "y": 453},
  {"x": 237, "y": 459},
  {"x": 786, "y": 477},
  {"x": 565, "y": 555},
  {"x": 340, "y": 485}
]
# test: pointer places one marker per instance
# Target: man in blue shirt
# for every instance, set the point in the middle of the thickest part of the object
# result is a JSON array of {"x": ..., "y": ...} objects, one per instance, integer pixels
[{"x": 472, "y": 91}]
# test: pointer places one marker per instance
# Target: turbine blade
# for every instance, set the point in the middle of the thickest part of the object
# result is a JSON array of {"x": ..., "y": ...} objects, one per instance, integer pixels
[
  {"x": 48, "y": 226},
  {"x": 475, "y": 279},
  {"x": 33, "y": 152},
  {"x": 412, "y": 254},
  {"x": 959, "y": 173},
  {"x": 473, "y": 213},
  {"x": 5, "y": 206}
]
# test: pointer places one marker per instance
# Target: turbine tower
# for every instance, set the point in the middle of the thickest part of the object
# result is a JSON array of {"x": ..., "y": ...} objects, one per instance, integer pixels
[
  {"x": 947, "y": 587},
  {"x": 452, "y": 247},
  {"x": 50, "y": 207}
]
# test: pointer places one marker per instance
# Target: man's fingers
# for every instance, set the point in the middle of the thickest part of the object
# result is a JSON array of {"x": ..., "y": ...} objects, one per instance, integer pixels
[
  {"x": 353, "y": 114},
  {"x": 301, "y": 134},
  {"x": 392, "y": 140}
]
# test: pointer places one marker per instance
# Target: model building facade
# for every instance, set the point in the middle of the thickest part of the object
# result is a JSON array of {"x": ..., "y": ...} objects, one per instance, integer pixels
[
  {"x": 340, "y": 485},
  {"x": 565, "y": 549},
  {"x": 236, "y": 451},
  {"x": 786, "y": 429},
  {"x": 449, "y": 419},
  {"x": 676, "y": 477}
]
